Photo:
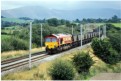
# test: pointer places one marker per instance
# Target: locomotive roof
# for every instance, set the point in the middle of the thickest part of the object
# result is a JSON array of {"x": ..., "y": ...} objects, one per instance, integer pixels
[{"x": 59, "y": 35}]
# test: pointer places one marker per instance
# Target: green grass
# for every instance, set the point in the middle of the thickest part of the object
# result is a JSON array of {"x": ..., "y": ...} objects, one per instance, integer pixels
[
  {"x": 8, "y": 31},
  {"x": 116, "y": 24},
  {"x": 17, "y": 27},
  {"x": 15, "y": 20},
  {"x": 12, "y": 27},
  {"x": 5, "y": 37}
]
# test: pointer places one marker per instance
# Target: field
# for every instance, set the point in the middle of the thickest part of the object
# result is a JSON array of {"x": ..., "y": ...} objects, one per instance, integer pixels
[
  {"x": 41, "y": 72},
  {"x": 15, "y": 20},
  {"x": 117, "y": 24},
  {"x": 12, "y": 27}
]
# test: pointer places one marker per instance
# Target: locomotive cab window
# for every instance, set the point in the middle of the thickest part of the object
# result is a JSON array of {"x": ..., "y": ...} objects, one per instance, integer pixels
[
  {"x": 54, "y": 39},
  {"x": 48, "y": 40}
]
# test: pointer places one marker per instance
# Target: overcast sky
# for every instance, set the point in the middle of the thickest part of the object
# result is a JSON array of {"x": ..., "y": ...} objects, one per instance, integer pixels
[{"x": 62, "y": 4}]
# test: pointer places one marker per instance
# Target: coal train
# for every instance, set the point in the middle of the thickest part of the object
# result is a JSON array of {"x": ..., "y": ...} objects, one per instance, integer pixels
[{"x": 59, "y": 42}]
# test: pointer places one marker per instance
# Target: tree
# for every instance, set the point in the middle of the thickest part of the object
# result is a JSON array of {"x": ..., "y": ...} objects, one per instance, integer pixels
[
  {"x": 62, "y": 21},
  {"x": 68, "y": 24},
  {"x": 53, "y": 22},
  {"x": 114, "y": 19},
  {"x": 25, "y": 18},
  {"x": 82, "y": 62},
  {"x": 77, "y": 21},
  {"x": 104, "y": 50},
  {"x": 2, "y": 17},
  {"x": 62, "y": 70}
]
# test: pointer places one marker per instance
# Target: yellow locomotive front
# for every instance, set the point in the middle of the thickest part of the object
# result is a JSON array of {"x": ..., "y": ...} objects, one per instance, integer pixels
[{"x": 51, "y": 42}]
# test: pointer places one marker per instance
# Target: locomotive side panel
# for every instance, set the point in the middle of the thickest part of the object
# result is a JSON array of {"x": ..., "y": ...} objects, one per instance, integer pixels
[{"x": 66, "y": 40}]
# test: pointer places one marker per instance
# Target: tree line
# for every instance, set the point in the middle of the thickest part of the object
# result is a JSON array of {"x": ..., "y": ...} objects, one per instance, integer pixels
[
  {"x": 8, "y": 24},
  {"x": 56, "y": 22},
  {"x": 114, "y": 19}
]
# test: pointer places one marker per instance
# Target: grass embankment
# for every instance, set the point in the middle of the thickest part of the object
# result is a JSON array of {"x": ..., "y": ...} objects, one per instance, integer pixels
[
  {"x": 41, "y": 72},
  {"x": 14, "y": 54}
]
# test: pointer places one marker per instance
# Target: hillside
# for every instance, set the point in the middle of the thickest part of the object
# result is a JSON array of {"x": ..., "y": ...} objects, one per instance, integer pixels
[{"x": 42, "y": 12}]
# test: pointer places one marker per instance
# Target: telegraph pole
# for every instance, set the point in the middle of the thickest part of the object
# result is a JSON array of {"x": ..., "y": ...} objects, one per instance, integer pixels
[
  {"x": 30, "y": 44},
  {"x": 81, "y": 33},
  {"x": 105, "y": 31},
  {"x": 72, "y": 29},
  {"x": 41, "y": 36},
  {"x": 99, "y": 32}
]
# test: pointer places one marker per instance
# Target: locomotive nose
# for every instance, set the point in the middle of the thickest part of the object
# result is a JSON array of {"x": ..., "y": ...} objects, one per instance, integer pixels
[{"x": 51, "y": 45}]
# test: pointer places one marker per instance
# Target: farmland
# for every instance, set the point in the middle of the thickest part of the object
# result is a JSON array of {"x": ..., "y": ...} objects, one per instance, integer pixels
[
  {"x": 15, "y": 20},
  {"x": 116, "y": 24}
]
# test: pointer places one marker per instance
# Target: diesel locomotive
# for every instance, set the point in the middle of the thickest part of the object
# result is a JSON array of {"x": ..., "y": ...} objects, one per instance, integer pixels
[{"x": 59, "y": 42}]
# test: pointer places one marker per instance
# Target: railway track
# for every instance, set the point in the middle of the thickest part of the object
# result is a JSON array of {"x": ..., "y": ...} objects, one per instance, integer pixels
[
  {"x": 19, "y": 58},
  {"x": 20, "y": 61},
  {"x": 24, "y": 60}
]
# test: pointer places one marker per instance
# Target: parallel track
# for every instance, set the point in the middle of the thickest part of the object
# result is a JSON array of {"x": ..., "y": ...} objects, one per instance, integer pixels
[{"x": 21, "y": 63}]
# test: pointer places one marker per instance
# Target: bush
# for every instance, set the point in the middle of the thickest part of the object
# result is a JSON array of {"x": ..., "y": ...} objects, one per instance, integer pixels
[
  {"x": 6, "y": 46},
  {"x": 82, "y": 62},
  {"x": 113, "y": 58},
  {"x": 19, "y": 44},
  {"x": 13, "y": 43},
  {"x": 62, "y": 70},
  {"x": 104, "y": 50},
  {"x": 113, "y": 39},
  {"x": 113, "y": 34}
]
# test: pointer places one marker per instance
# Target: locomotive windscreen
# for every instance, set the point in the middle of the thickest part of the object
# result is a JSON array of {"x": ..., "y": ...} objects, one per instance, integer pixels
[{"x": 50, "y": 39}]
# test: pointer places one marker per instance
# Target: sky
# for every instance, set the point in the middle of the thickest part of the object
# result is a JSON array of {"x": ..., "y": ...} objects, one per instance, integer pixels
[{"x": 61, "y": 4}]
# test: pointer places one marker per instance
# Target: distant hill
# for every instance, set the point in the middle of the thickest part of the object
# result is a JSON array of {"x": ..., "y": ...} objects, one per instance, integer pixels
[{"x": 39, "y": 12}]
